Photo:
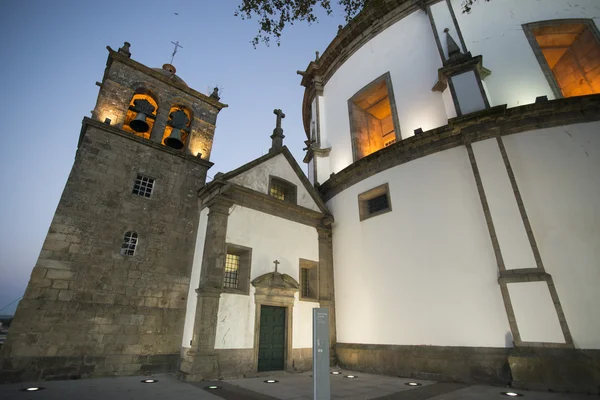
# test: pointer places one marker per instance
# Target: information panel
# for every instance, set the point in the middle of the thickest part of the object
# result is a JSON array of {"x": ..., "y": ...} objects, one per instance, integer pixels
[{"x": 321, "y": 386}]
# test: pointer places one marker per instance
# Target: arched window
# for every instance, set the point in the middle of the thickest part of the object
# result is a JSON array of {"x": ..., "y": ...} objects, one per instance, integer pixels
[
  {"x": 141, "y": 113},
  {"x": 178, "y": 127},
  {"x": 130, "y": 242}
]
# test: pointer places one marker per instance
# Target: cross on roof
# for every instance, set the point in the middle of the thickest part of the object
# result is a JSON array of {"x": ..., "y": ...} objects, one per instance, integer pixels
[
  {"x": 175, "y": 50},
  {"x": 276, "y": 264},
  {"x": 280, "y": 115}
]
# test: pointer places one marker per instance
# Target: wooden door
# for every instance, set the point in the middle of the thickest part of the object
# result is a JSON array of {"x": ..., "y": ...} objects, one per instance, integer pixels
[{"x": 271, "y": 346}]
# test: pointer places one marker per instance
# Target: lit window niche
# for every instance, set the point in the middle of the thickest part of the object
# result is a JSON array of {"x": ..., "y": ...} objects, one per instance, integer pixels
[
  {"x": 181, "y": 127},
  {"x": 571, "y": 49},
  {"x": 373, "y": 120},
  {"x": 141, "y": 94}
]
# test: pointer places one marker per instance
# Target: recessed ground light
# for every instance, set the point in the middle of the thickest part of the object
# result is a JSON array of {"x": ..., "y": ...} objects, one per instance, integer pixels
[
  {"x": 149, "y": 381},
  {"x": 32, "y": 389},
  {"x": 351, "y": 376},
  {"x": 336, "y": 373},
  {"x": 511, "y": 394},
  {"x": 413, "y": 384},
  {"x": 213, "y": 387},
  {"x": 271, "y": 381}
]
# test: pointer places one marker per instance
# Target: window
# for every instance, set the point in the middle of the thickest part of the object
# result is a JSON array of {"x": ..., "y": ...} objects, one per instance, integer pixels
[
  {"x": 374, "y": 202},
  {"x": 236, "y": 272},
  {"x": 130, "y": 242},
  {"x": 143, "y": 186},
  {"x": 569, "y": 53},
  {"x": 282, "y": 189},
  {"x": 232, "y": 270},
  {"x": 373, "y": 118},
  {"x": 309, "y": 280}
]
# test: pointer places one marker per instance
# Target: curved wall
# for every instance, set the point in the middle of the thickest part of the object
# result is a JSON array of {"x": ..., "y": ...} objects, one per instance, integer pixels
[{"x": 408, "y": 51}]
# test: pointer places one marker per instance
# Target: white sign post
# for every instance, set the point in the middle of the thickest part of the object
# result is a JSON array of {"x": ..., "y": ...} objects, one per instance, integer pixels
[{"x": 321, "y": 384}]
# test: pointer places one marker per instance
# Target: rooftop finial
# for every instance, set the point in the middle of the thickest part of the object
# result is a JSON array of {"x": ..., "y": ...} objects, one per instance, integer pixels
[
  {"x": 125, "y": 49},
  {"x": 215, "y": 94},
  {"x": 277, "y": 136},
  {"x": 453, "y": 49}
]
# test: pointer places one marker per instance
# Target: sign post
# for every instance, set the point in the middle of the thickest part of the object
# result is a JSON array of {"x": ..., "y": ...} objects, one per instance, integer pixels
[{"x": 321, "y": 384}]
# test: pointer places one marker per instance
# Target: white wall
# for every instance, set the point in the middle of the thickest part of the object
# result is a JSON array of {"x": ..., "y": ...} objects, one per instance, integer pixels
[
  {"x": 494, "y": 31},
  {"x": 257, "y": 179},
  {"x": 425, "y": 273},
  {"x": 192, "y": 299},
  {"x": 408, "y": 51},
  {"x": 557, "y": 172},
  {"x": 535, "y": 313},
  {"x": 270, "y": 238},
  {"x": 508, "y": 223}
]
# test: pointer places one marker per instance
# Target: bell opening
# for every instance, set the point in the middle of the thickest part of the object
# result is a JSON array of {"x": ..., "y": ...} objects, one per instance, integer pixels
[{"x": 174, "y": 143}]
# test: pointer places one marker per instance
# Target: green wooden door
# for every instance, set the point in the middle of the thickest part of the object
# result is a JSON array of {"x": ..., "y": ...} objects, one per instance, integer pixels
[{"x": 271, "y": 346}]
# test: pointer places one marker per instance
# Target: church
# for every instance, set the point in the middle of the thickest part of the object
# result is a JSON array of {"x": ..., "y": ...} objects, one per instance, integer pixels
[{"x": 448, "y": 219}]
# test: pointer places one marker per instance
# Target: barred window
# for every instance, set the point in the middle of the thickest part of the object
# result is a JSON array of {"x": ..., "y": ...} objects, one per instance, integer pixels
[
  {"x": 232, "y": 269},
  {"x": 282, "y": 189},
  {"x": 143, "y": 186},
  {"x": 309, "y": 280},
  {"x": 374, "y": 202},
  {"x": 130, "y": 242}
]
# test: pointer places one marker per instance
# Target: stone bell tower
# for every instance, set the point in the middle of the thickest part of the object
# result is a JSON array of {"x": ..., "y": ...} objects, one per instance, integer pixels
[{"x": 108, "y": 293}]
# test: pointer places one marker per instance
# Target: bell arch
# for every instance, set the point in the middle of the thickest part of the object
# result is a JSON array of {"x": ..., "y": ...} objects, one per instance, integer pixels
[
  {"x": 178, "y": 127},
  {"x": 141, "y": 113}
]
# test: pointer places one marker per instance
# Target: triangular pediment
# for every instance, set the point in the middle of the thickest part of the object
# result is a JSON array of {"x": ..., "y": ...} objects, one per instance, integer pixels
[{"x": 281, "y": 164}]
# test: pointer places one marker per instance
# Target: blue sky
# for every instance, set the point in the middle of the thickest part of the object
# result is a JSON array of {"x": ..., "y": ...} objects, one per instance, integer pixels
[{"x": 53, "y": 54}]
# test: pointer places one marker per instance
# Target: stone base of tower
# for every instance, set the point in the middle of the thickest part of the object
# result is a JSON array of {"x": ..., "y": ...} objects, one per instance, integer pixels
[{"x": 565, "y": 370}]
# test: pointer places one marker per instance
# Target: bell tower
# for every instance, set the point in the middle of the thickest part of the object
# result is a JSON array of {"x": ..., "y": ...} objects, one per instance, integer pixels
[{"x": 108, "y": 293}]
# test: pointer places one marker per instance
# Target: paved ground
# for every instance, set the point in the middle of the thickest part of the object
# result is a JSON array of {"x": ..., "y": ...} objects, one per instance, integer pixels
[{"x": 288, "y": 387}]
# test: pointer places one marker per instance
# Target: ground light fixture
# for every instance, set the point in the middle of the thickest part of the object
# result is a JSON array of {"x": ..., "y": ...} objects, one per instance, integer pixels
[
  {"x": 511, "y": 394},
  {"x": 336, "y": 372},
  {"x": 351, "y": 376},
  {"x": 213, "y": 387},
  {"x": 270, "y": 381},
  {"x": 413, "y": 384},
  {"x": 32, "y": 389},
  {"x": 149, "y": 381}
]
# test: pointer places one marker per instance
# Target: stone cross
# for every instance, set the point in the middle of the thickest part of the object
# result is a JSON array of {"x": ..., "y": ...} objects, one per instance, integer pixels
[
  {"x": 280, "y": 115},
  {"x": 175, "y": 51},
  {"x": 276, "y": 264}
]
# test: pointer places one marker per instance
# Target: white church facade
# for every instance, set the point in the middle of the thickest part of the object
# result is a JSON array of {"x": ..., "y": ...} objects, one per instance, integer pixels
[{"x": 448, "y": 218}]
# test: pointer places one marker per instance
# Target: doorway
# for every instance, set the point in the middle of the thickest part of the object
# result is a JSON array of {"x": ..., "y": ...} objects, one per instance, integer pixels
[{"x": 272, "y": 340}]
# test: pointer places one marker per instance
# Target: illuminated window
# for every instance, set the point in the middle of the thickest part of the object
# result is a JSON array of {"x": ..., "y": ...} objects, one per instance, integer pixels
[
  {"x": 309, "y": 280},
  {"x": 373, "y": 118},
  {"x": 130, "y": 242},
  {"x": 142, "y": 95},
  {"x": 236, "y": 272},
  {"x": 282, "y": 190},
  {"x": 569, "y": 53},
  {"x": 143, "y": 186},
  {"x": 374, "y": 202}
]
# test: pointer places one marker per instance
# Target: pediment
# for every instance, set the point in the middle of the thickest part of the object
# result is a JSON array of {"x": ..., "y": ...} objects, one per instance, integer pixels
[{"x": 276, "y": 280}]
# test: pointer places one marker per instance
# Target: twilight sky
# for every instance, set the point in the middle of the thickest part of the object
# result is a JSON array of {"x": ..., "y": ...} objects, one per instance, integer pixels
[{"x": 55, "y": 51}]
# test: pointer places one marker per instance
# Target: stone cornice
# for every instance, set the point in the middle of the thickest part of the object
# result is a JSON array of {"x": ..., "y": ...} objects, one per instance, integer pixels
[
  {"x": 114, "y": 55},
  {"x": 87, "y": 122},
  {"x": 252, "y": 199},
  {"x": 485, "y": 124}
]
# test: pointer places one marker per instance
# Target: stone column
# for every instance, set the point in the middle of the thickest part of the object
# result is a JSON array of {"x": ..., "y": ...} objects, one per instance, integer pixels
[
  {"x": 160, "y": 123},
  {"x": 201, "y": 360},
  {"x": 326, "y": 288}
]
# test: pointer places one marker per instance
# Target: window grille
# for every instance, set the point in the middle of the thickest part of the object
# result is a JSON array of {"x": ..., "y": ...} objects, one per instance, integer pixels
[
  {"x": 129, "y": 244},
  {"x": 304, "y": 282},
  {"x": 232, "y": 268},
  {"x": 143, "y": 186},
  {"x": 278, "y": 191},
  {"x": 378, "y": 203}
]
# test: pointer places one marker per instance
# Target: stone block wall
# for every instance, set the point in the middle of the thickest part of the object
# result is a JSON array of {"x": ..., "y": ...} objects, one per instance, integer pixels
[{"x": 88, "y": 310}]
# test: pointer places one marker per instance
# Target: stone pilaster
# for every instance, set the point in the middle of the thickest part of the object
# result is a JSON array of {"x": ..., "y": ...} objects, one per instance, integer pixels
[
  {"x": 201, "y": 360},
  {"x": 326, "y": 287},
  {"x": 160, "y": 123}
]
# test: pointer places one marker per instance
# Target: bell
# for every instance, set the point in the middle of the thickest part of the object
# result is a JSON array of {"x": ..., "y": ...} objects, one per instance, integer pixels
[
  {"x": 139, "y": 123},
  {"x": 174, "y": 139}
]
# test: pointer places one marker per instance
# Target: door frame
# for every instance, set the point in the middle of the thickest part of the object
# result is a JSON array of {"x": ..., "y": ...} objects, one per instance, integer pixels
[{"x": 288, "y": 331}]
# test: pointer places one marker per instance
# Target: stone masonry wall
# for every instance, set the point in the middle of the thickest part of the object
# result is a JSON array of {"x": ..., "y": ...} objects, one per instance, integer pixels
[{"x": 88, "y": 310}]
